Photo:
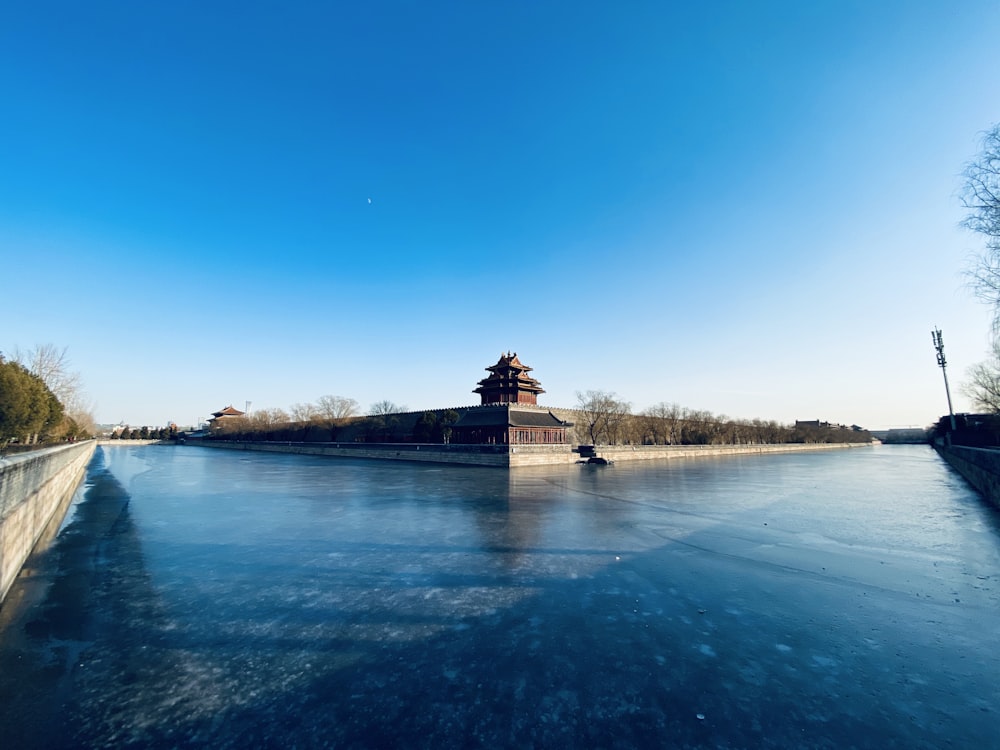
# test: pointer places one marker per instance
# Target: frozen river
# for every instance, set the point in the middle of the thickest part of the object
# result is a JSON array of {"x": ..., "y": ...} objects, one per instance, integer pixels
[{"x": 207, "y": 598}]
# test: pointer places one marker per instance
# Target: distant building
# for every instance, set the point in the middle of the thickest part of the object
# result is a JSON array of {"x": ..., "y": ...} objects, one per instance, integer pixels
[{"x": 218, "y": 417}]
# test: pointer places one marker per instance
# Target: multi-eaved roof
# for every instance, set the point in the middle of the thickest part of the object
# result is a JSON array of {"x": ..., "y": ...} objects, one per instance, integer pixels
[{"x": 509, "y": 383}]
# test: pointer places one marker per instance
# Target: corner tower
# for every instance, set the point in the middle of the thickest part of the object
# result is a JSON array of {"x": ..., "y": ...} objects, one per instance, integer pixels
[{"x": 509, "y": 383}]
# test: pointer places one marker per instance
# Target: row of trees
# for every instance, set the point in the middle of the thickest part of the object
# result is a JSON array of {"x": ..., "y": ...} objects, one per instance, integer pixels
[
  {"x": 385, "y": 422},
  {"x": 604, "y": 419},
  {"x": 327, "y": 409},
  {"x": 322, "y": 421},
  {"x": 981, "y": 198},
  {"x": 41, "y": 398},
  {"x": 29, "y": 410},
  {"x": 601, "y": 418},
  {"x": 145, "y": 433},
  {"x": 327, "y": 420}
]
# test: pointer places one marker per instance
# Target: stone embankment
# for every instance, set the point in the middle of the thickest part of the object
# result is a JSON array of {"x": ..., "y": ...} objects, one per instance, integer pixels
[
  {"x": 651, "y": 452},
  {"x": 979, "y": 466},
  {"x": 128, "y": 443},
  {"x": 35, "y": 491},
  {"x": 514, "y": 456}
]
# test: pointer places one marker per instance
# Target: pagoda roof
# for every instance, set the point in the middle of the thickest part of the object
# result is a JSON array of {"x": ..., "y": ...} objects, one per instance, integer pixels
[
  {"x": 508, "y": 374},
  {"x": 509, "y": 360},
  {"x": 229, "y": 411}
]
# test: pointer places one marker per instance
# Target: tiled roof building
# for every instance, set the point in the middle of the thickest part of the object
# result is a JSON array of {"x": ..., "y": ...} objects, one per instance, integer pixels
[
  {"x": 220, "y": 416},
  {"x": 509, "y": 383},
  {"x": 501, "y": 420},
  {"x": 506, "y": 424}
]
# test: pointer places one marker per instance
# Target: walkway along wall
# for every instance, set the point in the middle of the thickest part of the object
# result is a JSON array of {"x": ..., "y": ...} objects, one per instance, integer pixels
[
  {"x": 979, "y": 466},
  {"x": 514, "y": 456},
  {"x": 34, "y": 489}
]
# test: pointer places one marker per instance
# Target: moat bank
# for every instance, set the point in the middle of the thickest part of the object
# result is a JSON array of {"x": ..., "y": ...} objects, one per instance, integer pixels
[
  {"x": 504, "y": 456},
  {"x": 35, "y": 490},
  {"x": 980, "y": 467}
]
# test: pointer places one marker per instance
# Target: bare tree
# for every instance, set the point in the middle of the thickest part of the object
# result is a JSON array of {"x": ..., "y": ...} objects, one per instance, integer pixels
[
  {"x": 603, "y": 414},
  {"x": 383, "y": 420},
  {"x": 268, "y": 418},
  {"x": 663, "y": 423},
  {"x": 699, "y": 426},
  {"x": 983, "y": 384},
  {"x": 383, "y": 408},
  {"x": 333, "y": 408},
  {"x": 981, "y": 198},
  {"x": 52, "y": 365},
  {"x": 304, "y": 412}
]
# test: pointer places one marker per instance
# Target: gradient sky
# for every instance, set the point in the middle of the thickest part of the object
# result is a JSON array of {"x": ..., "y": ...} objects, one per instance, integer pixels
[{"x": 749, "y": 208}]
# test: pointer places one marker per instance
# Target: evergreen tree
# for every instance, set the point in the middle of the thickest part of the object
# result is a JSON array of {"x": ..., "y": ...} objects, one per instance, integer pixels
[
  {"x": 423, "y": 430},
  {"x": 28, "y": 409}
]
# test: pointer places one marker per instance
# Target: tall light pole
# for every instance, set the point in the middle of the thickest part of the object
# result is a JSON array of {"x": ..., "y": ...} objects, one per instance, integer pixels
[{"x": 943, "y": 364}]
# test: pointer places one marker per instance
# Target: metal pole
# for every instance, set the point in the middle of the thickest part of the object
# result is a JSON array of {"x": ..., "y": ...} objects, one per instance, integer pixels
[{"x": 943, "y": 364}]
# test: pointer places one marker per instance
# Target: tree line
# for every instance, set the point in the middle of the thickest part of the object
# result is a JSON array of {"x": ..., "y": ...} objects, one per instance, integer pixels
[
  {"x": 604, "y": 419},
  {"x": 41, "y": 399},
  {"x": 29, "y": 410},
  {"x": 304, "y": 422},
  {"x": 335, "y": 418},
  {"x": 980, "y": 197},
  {"x": 600, "y": 418},
  {"x": 145, "y": 433}
]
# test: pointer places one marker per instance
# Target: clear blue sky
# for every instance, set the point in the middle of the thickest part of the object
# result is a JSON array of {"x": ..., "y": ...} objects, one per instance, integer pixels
[{"x": 749, "y": 207}]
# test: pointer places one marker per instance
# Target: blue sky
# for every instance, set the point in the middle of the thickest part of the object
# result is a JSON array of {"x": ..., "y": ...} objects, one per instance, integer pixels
[{"x": 749, "y": 208}]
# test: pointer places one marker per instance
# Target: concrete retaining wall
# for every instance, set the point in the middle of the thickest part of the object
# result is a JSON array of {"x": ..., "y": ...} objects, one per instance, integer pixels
[
  {"x": 513, "y": 456},
  {"x": 33, "y": 488},
  {"x": 651, "y": 452},
  {"x": 979, "y": 466}
]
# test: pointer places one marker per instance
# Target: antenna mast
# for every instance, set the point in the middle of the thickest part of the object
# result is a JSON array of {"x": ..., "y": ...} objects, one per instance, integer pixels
[{"x": 943, "y": 364}]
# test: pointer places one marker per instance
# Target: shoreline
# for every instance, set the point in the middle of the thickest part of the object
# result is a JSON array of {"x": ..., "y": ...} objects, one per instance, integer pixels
[{"x": 504, "y": 456}]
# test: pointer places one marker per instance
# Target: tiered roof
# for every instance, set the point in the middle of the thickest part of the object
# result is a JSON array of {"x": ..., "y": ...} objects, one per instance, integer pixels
[{"x": 509, "y": 382}]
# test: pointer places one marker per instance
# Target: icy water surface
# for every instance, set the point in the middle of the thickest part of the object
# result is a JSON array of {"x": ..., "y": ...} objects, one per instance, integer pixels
[{"x": 207, "y": 598}]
